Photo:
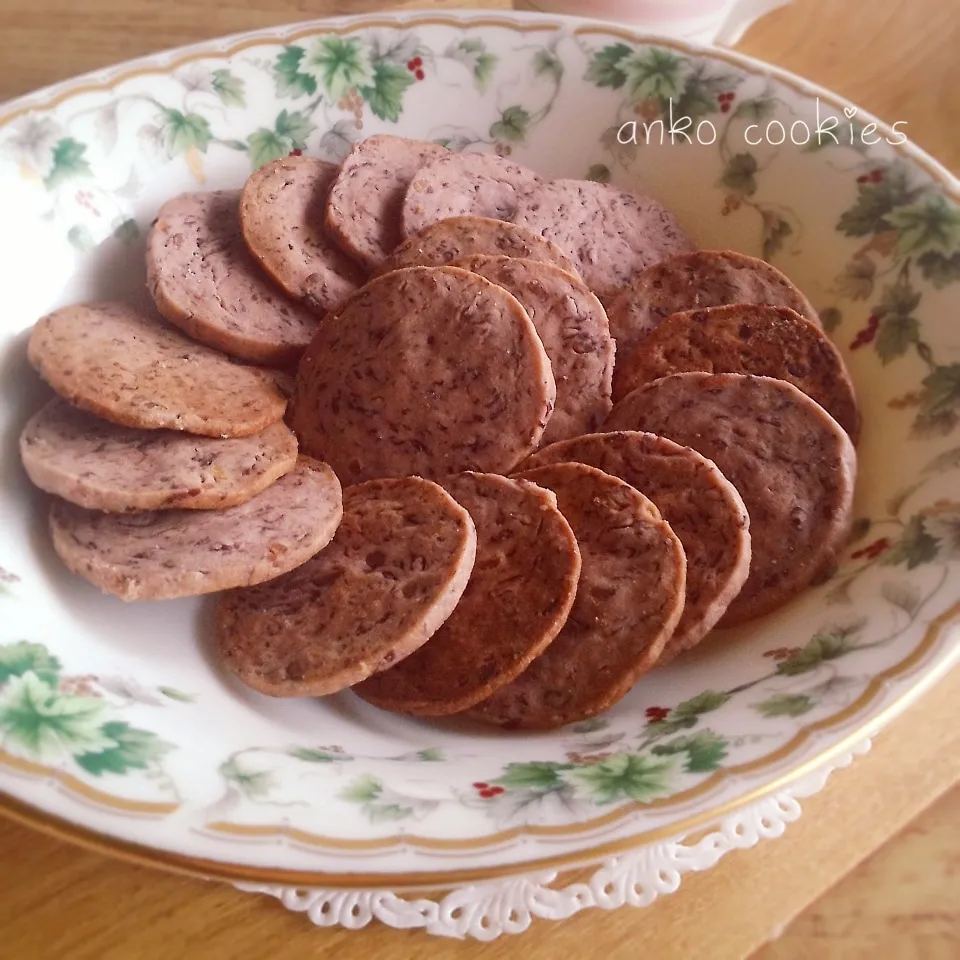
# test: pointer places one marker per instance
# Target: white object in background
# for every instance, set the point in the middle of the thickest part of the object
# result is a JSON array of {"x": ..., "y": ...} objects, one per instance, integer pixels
[{"x": 702, "y": 21}]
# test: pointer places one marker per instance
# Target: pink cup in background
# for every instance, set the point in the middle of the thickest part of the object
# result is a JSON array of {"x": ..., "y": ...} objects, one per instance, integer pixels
[{"x": 703, "y": 21}]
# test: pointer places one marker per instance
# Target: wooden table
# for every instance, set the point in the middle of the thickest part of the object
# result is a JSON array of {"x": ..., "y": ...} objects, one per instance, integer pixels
[{"x": 898, "y": 59}]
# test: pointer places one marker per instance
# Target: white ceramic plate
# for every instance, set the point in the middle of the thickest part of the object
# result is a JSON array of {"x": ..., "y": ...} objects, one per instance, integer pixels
[{"x": 115, "y": 724}]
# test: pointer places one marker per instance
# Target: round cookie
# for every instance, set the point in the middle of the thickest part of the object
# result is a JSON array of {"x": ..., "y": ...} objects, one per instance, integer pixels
[
  {"x": 448, "y": 240},
  {"x": 573, "y": 327},
  {"x": 365, "y": 206},
  {"x": 163, "y": 554},
  {"x": 204, "y": 280},
  {"x": 610, "y": 234},
  {"x": 702, "y": 507},
  {"x": 102, "y": 466},
  {"x": 746, "y": 338},
  {"x": 629, "y": 600},
  {"x": 792, "y": 463},
  {"x": 519, "y": 595},
  {"x": 693, "y": 281},
  {"x": 282, "y": 216},
  {"x": 392, "y": 575},
  {"x": 426, "y": 371},
  {"x": 462, "y": 184},
  {"x": 132, "y": 369}
]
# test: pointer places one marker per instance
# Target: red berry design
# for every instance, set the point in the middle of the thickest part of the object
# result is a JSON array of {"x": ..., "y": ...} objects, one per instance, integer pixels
[
  {"x": 873, "y": 551},
  {"x": 488, "y": 793},
  {"x": 867, "y": 334},
  {"x": 496, "y": 791},
  {"x": 863, "y": 178},
  {"x": 656, "y": 714},
  {"x": 725, "y": 108},
  {"x": 480, "y": 785},
  {"x": 420, "y": 75},
  {"x": 876, "y": 176},
  {"x": 782, "y": 653},
  {"x": 295, "y": 153}
]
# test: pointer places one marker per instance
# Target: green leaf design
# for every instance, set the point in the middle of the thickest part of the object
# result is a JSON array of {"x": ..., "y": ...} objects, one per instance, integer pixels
[
  {"x": 938, "y": 269},
  {"x": 127, "y": 231},
  {"x": 37, "y": 720},
  {"x": 896, "y": 335},
  {"x": 931, "y": 223},
  {"x": 914, "y": 548},
  {"x": 549, "y": 64},
  {"x": 655, "y": 72},
  {"x": 775, "y": 232},
  {"x": 385, "y": 94},
  {"x": 705, "y": 750},
  {"x": 380, "y": 812},
  {"x": 181, "y": 131},
  {"x": 823, "y": 646},
  {"x": 857, "y": 279},
  {"x": 896, "y": 502},
  {"x": 16, "y": 659},
  {"x": 312, "y": 755},
  {"x": 605, "y": 67},
  {"x": 740, "y": 174},
  {"x": 861, "y": 527},
  {"x": 229, "y": 88},
  {"x": 756, "y": 109},
  {"x": 673, "y": 724},
  {"x": 940, "y": 403},
  {"x": 600, "y": 173},
  {"x": 68, "y": 162},
  {"x": 339, "y": 64},
  {"x": 875, "y": 202},
  {"x": 255, "y": 784},
  {"x": 699, "y": 96},
  {"x": 705, "y": 702},
  {"x": 80, "y": 238},
  {"x": 536, "y": 775},
  {"x": 898, "y": 298},
  {"x": 785, "y": 705},
  {"x": 831, "y": 318},
  {"x": 625, "y": 776},
  {"x": 512, "y": 125},
  {"x": 290, "y": 132},
  {"x": 902, "y": 594},
  {"x": 483, "y": 71},
  {"x": 948, "y": 460},
  {"x": 431, "y": 755},
  {"x": 364, "y": 789},
  {"x": 134, "y": 750},
  {"x": 171, "y": 693},
  {"x": 593, "y": 725},
  {"x": 290, "y": 81}
]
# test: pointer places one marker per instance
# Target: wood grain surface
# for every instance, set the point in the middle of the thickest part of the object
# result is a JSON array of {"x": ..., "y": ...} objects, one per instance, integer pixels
[{"x": 896, "y": 58}]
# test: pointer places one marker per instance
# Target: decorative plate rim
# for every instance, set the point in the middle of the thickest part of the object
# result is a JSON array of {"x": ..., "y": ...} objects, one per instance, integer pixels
[{"x": 163, "y": 63}]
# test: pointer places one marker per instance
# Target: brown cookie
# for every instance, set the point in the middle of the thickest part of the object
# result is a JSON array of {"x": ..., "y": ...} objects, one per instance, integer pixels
[
  {"x": 426, "y": 371},
  {"x": 746, "y": 338},
  {"x": 521, "y": 590},
  {"x": 134, "y": 370},
  {"x": 163, "y": 554},
  {"x": 629, "y": 600},
  {"x": 608, "y": 233},
  {"x": 204, "y": 280},
  {"x": 448, "y": 240},
  {"x": 283, "y": 219},
  {"x": 365, "y": 207},
  {"x": 793, "y": 464},
  {"x": 461, "y": 184},
  {"x": 573, "y": 327},
  {"x": 392, "y": 575},
  {"x": 102, "y": 466},
  {"x": 693, "y": 281},
  {"x": 702, "y": 507}
]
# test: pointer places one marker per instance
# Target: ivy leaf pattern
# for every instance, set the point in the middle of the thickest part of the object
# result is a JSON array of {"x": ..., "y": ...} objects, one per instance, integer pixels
[
  {"x": 605, "y": 68},
  {"x": 68, "y": 161},
  {"x": 338, "y": 65},
  {"x": 857, "y": 280},
  {"x": 289, "y": 79},
  {"x": 181, "y": 132},
  {"x": 940, "y": 270},
  {"x": 914, "y": 548},
  {"x": 132, "y": 750},
  {"x": 775, "y": 231},
  {"x": 599, "y": 173},
  {"x": 535, "y": 775},
  {"x": 289, "y": 133},
  {"x": 824, "y": 645},
  {"x": 785, "y": 705},
  {"x": 831, "y": 318},
  {"x": 625, "y": 776},
  {"x": 385, "y": 93},
  {"x": 16, "y": 659},
  {"x": 739, "y": 174},
  {"x": 229, "y": 88},
  {"x": 547, "y": 64},
  {"x": 512, "y": 125},
  {"x": 875, "y": 203},
  {"x": 706, "y": 702},
  {"x": 929, "y": 224},
  {"x": 655, "y": 72},
  {"x": 896, "y": 335},
  {"x": 940, "y": 401},
  {"x": 705, "y": 751}
]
